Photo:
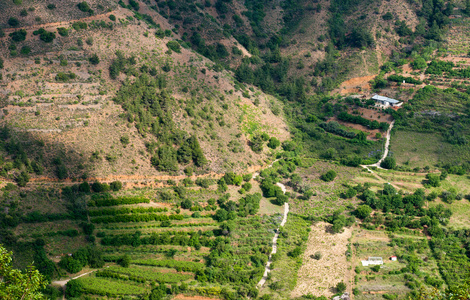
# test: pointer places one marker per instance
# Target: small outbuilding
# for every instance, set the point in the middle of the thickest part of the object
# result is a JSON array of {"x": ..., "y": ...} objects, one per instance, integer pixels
[
  {"x": 385, "y": 102},
  {"x": 393, "y": 258},
  {"x": 344, "y": 296},
  {"x": 372, "y": 261}
]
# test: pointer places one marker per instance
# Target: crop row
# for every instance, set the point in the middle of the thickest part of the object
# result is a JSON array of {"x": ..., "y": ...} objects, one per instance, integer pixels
[
  {"x": 183, "y": 225},
  {"x": 151, "y": 274},
  {"x": 136, "y": 218},
  {"x": 110, "y": 274},
  {"x": 178, "y": 265},
  {"x": 109, "y": 287},
  {"x": 107, "y": 200},
  {"x": 124, "y": 210}
]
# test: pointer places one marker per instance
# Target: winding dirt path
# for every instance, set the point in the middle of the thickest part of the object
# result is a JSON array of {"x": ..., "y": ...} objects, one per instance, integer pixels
[
  {"x": 64, "y": 282},
  {"x": 276, "y": 236},
  {"x": 386, "y": 150}
]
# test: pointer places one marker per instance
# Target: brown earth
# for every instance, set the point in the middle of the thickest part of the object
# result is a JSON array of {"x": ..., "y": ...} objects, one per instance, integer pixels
[
  {"x": 355, "y": 85},
  {"x": 319, "y": 277}
]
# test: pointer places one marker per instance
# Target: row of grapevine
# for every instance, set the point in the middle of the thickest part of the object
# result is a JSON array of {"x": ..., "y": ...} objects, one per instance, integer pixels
[
  {"x": 188, "y": 266},
  {"x": 124, "y": 210},
  {"x": 109, "y": 287},
  {"x": 108, "y": 200},
  {"x": 151, "y": 274},
  {"x": 136, "y": 218}
]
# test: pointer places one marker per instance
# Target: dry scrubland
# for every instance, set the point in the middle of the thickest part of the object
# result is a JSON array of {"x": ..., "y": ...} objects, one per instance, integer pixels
[
  {"x": 80, "y": 118},
  {"x": 319, "y": 277}
]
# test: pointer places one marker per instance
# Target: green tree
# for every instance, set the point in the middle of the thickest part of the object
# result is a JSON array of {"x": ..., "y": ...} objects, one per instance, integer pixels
[
  {"x": 116, "y": 185},
  {"x": 74, "y": 288},
  {"x": 273, "y": 143},
  {"x": 388, "y": 163},
  {"x": 363, "y": 211},
  {"x": 433, "y": 180},
  {"x": 125, "y": 261},
  {"x": 15, "y": 284},
  {"x": 341, "y": 287},
  {"x": 94, "y": 60},
  {"x": 419, "y": 63}
]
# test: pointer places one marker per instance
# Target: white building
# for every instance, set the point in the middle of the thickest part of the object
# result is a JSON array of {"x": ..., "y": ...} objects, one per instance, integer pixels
[
  {"x": 372, "y": 261},
  {"x": 385, "y": 102}
]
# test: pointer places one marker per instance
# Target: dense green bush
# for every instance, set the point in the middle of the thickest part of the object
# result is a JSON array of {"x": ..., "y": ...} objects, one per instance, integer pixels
[
  {"x": 19, "y": 35},
  {"x": 174, "y": 45},
  {"x": 328, "y": 176},
  {"x": 94, "y": 59},
  {"x": 388, "y": 163}
]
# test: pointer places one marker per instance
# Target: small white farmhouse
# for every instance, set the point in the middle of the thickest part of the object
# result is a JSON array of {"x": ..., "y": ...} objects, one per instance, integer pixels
[{"x": 385, "y": 102}]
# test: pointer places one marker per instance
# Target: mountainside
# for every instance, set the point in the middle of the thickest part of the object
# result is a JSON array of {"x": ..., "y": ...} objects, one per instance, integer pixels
[{"x": 234, "y": 149}]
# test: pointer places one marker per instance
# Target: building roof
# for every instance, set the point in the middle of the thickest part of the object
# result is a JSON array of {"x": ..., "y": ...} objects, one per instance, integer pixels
[{"x": 383, "y": 98}]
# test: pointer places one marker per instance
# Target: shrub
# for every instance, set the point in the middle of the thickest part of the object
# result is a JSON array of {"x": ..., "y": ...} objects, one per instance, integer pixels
[
  {"x": 328, "y": 176},
  {"x": 25, "y": 50},
  {"x": 341, "y": 287},
  {"x": 51, "y": 6},
  {"x": 296, "y": 252},
  {"x": 174, "y": 45},
  {"x": 112, "y": 17},
  {"x": 13, "y": 22},
  {"x": 317, "y": 255},
  {"x": 115, "y": 185},
  {"x": 83, "y": 6},
  {"x": 64, "y": 77},
  {"x": 433, "y": 180},
  {"x": 47, "y": 36},
  {"x": 256, "y": 143},
  {"x": 63, "y": 31},
  {"x": 273, "y": 143},
  {"x": 19, "y": 35}
]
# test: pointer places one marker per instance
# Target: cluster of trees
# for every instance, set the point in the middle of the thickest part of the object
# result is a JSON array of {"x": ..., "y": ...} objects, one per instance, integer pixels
[
  {"x": 44, "y": 35},
  {"x": 229, "y": 210},
  {"x": 335, "y": 128},
  {"x": 403, "y": 210},
  {"x": 400, "y": 79},
  {"x": 82, "y": 257},
  {"x": 258, "y": 140},
  {"x": 149, "y": 107}
]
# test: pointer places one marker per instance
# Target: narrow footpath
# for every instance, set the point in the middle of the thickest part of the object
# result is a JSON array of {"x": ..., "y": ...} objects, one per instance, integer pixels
[
  {"x": 284, "y": 220},
  {"x": 386, "y": 150}
]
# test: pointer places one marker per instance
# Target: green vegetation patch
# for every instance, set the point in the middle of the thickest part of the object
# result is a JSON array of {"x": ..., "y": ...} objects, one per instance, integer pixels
[
  {"x": 109, "y": 287},
  {"x": 152, "y": 274}
]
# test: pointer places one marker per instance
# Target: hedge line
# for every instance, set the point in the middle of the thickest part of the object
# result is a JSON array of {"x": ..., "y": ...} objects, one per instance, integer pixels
[
  {"x": 187, "y": 266},
  {"x": 107, "y": 200},
  {"x": 124, "y": 210},
  {"x": 136, "y": 218},
  {"x": 344, "y": 116}
]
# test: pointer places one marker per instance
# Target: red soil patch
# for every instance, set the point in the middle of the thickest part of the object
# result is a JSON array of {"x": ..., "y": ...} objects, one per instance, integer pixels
[{"x": 356, "y": 85}]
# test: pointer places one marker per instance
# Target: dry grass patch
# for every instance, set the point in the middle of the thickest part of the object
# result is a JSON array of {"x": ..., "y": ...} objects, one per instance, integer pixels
[{"x": 319, "y": 277}]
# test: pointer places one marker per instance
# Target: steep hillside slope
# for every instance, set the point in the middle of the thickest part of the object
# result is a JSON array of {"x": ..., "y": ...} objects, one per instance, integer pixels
[{"x": 61, "y": 94}]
